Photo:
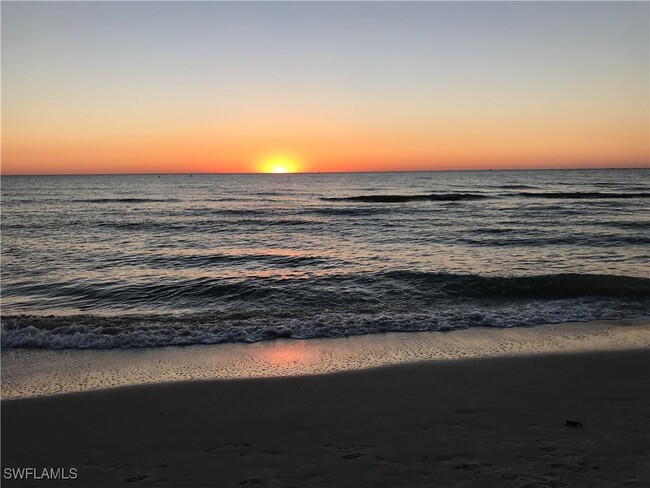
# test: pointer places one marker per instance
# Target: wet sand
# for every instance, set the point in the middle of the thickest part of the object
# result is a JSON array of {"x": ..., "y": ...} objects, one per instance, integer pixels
[
  {"x": 39, "y": 372},
  {"x": 477, "y": 422}
]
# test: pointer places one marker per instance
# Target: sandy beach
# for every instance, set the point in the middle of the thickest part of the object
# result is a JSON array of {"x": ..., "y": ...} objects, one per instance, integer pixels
[{"x": 477, "y": 422}]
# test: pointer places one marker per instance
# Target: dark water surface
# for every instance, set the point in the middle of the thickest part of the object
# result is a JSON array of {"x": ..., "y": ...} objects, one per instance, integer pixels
[{"x": 129, "y": 261}]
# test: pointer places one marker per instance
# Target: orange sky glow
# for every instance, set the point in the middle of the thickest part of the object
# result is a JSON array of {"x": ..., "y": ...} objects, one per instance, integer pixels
[{"x": 322, "y": 88}]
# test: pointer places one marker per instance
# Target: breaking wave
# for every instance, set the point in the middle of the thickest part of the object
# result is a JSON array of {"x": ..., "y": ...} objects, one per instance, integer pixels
[{"x": 397, "y": 301}]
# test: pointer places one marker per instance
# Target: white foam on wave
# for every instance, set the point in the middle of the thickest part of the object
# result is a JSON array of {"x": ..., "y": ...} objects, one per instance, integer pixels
[
  {"x": 94, "y": 332},
  {"x": 38, "y": 372}
]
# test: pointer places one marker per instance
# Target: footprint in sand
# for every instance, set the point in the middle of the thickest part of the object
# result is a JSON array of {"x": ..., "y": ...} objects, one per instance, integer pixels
[
  {"x": 473, "y": 467},
  {"x": 259, "y": 453},
  {"x": 255, "y": 481},
  {"x": 137, "y": 478},
  {"x": 402, "y": 459},
  {"x": 351, "y": 450},
  {"x": 227, "y": 447},
  {"x": 353, "y": 455}
]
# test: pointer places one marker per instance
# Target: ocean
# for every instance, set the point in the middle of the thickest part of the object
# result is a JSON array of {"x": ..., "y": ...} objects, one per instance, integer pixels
[{"x": 127, "y": 261}]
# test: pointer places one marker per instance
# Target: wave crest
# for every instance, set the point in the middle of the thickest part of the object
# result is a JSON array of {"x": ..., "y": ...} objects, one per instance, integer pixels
[
  {"x": 582, "y": 195},
  {"x": 396, "y": 301},
  {"x": 433, "y": 197}
]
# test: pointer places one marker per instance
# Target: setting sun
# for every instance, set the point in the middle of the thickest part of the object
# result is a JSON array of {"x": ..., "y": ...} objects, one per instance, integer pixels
[
  {"x": 279, "y": 169},
  {"x": 279, "y": 164}
]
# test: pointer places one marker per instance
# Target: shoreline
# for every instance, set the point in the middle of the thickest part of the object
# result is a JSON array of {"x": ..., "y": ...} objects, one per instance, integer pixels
[
  {"x": 28, "y": 373},
  {"x": 498, "y": 421}
]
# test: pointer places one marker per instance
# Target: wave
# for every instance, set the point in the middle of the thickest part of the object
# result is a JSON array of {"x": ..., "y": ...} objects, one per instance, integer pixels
[
  {"x": 510, "y": 238},
  {"x": 554, "y": 286},
  {"x": 516, "y": 187},
  {"x": 435, "y": 197},
  {"x": 582, "y": 195},
  {"x": 204, "y": 261},
  {"x": 620, "y": 184},
  {"x": 128, "y": 200},
  {"x": 455, "y": 197},
  {"x": 391, "y": 288},
  {"x": 627, "y": 225},
  {"x": 346, "y": 212},
  {"x": 132, "y": 331},
  {"x": 334, "y": 306}
]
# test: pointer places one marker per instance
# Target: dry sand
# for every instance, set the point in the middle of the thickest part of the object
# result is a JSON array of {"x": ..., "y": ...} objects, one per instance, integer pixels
[{"x": 476, "y": 422}]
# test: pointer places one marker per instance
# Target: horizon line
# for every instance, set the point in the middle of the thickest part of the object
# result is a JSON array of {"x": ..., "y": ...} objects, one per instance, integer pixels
[{"x": 599, "y": 168}]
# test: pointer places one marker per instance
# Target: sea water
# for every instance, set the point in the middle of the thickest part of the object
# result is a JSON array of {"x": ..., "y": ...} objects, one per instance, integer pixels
[{"x": 114, "y": 261}]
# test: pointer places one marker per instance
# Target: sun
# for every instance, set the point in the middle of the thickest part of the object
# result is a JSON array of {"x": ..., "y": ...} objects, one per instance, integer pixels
[
  {"x": 279, "y": 168},
  {"x": 279, "y": 164}
]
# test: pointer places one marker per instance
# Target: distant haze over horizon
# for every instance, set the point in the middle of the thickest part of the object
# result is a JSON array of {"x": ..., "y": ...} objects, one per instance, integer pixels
[{"x": 209, "y": 87}]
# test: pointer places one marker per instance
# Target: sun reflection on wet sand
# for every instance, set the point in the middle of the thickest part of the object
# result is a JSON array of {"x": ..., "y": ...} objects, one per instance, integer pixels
[
  {"x": 31, "y": 372},
  {"x": 281, "y": 353}
]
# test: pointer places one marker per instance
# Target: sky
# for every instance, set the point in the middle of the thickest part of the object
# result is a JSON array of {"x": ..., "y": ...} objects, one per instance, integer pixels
[{"x": 189, "y": 87}]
